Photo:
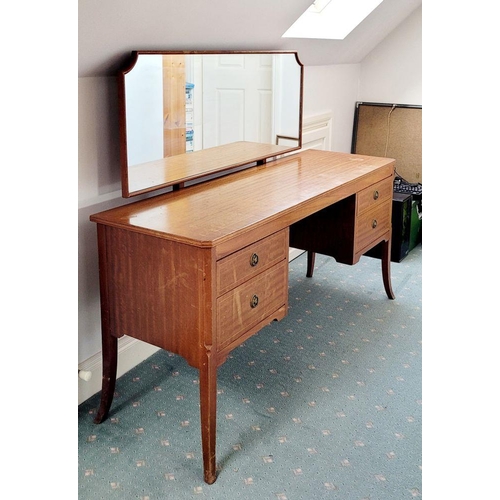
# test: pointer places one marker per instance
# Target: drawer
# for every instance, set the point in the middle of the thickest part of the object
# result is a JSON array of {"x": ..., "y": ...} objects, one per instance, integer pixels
[
  {"x": 250, "y": 303},
  {"x": 251, "y": 260},
  {"x": 372, "y": 225},
  {"x": 374, "y": 195}
]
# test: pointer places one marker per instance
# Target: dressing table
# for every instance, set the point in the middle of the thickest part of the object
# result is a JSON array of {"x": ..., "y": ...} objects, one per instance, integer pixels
[{"x": 199, "y": 268}]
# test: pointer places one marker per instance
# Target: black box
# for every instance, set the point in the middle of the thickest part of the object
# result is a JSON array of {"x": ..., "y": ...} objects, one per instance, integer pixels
[
  {"x": 401, "y": 228},
  {"x": 416, "y": 222}
]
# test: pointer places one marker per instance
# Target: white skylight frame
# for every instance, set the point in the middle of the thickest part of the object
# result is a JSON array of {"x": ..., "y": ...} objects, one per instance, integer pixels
[{"x": 331, "y": 19}]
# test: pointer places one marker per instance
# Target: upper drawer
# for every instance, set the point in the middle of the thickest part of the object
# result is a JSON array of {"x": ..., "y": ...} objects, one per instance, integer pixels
[
  {"x": 251, "y": 260},
  {"x": 375, "y": 194}
]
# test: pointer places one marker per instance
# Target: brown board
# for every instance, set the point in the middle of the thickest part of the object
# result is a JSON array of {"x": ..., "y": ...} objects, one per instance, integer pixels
[
  {"x": 392, "y": 131},
  {"x": 174, "y": 105}
]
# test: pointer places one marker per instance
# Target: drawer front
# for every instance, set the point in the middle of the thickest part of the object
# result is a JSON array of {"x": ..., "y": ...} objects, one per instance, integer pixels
[
  {"x": 372, "y": 225},
  {"x": 250, "y": 303},
  {"x": 250, "y": 261},
  {"x": 375, "y": 195}
]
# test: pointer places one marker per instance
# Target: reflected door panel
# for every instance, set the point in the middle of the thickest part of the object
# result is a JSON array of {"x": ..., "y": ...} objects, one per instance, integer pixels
[{"x": 237, "y": 99}]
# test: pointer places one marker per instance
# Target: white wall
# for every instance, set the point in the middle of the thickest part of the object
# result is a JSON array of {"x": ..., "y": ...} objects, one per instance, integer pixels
[
  {"x": 98, "y": 188},
  {"x": 392, "y": 71},
  {"x": 333, "y": 89}
]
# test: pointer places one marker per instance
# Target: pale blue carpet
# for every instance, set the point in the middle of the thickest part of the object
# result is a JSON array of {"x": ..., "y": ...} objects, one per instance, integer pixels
[{"x": 324, "y": 404}]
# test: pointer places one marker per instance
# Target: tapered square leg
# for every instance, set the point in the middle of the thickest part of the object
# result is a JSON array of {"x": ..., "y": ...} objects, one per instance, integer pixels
[
  {"x": 311, "y": 257},
  {"x": 208, "y": 403},
  {"x": 386, "y": 268}
]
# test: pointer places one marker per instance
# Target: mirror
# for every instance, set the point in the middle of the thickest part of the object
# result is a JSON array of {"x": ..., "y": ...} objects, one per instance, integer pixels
[{"x": 186, "y": 115}]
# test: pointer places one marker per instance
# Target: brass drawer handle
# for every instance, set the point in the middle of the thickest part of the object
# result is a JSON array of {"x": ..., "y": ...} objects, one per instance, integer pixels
[
  {"x": 254, "y": 260},
  {"x": 254, "y": 301},
  {"x": 374, "y": 223},
  {"x": 375, "y": 195}
]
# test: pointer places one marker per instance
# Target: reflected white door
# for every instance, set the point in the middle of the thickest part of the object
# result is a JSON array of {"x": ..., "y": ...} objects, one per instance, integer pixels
[{"x": 238, "y": 98}]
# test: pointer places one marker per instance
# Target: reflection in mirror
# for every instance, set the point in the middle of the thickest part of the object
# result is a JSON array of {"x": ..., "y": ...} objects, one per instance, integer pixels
[{"x": 175, "y": 105}]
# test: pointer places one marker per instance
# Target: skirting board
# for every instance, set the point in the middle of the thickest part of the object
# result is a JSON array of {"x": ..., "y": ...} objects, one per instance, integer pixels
[{"x": 131, "y": 352}]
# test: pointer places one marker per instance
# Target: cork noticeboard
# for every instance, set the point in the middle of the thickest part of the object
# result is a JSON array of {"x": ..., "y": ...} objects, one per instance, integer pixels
[{"x": 392, "y": 131}]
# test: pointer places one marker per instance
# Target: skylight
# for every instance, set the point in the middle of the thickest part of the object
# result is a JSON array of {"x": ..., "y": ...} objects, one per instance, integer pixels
[{"x": 331, "y": 19}]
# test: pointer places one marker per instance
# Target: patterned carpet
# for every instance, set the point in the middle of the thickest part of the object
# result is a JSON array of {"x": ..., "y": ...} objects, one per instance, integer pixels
[{"x": 324, "y": 404}]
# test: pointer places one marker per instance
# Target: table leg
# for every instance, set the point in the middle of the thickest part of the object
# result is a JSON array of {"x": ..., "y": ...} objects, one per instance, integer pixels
[
  {"x": 310, "y": 263},
  {"x": 386, "y": 268},
  {"x": 208, "y": 408},
  {"x": 109, "y": 363}
]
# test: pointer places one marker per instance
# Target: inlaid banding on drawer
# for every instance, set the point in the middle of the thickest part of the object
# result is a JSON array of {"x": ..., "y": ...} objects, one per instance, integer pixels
[
  {"x": 251, "y": 260},
  {"x": 372, "y": 225},
  {"x": 250, "y": 303},
  {"x": 375, "y": 195}
]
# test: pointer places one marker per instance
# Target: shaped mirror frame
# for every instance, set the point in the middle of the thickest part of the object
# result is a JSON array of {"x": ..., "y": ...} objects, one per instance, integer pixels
[{"x": 188, "y": 115}]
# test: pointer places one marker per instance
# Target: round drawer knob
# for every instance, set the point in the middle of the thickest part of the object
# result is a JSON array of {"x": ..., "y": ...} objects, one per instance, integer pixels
[
  {"x": 254, "y": 301},
  {"x": 254, "y": 260},
  {"x": 375, "y": 195},
  {"x": 374, "y": 223}
]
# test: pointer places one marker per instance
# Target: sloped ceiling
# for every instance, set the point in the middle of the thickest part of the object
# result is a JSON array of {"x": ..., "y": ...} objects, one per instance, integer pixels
[{"x": 109, "y": 30}]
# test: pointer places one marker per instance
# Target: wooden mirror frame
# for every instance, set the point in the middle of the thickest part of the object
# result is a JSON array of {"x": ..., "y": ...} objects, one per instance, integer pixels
[{"x": 175, "y": 171}]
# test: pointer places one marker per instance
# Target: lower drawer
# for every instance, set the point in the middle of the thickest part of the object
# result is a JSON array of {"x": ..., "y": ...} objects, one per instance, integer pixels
[
  {"x": 250, "y": 303},
  {"x": 372, "y": 225}
]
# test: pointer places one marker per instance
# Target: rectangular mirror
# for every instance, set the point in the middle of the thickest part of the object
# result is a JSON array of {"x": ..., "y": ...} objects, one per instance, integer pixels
[{"x": 187, "y": 115}]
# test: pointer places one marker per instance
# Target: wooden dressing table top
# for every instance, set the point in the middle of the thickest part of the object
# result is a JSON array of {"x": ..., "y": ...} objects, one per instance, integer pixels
[{"x": 283, "y": 191}]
